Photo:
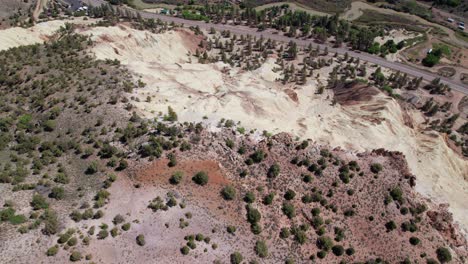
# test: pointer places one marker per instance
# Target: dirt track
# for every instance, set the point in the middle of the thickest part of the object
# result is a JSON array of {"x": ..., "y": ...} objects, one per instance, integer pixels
[{"x": 242, "y": 30}]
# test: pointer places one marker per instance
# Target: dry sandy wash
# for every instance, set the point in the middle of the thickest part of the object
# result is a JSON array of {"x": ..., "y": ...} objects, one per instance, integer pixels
[{"x": 218, "y": 91}]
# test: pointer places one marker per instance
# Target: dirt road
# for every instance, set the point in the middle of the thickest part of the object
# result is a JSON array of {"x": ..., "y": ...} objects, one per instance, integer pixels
[{"x": 243, "y": 30}]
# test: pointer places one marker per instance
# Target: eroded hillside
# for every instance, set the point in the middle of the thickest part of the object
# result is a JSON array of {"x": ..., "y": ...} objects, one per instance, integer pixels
[{"x": 114, "y": 150}]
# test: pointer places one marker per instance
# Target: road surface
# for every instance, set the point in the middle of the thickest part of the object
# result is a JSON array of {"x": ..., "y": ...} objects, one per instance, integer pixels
[{"x": 243, "y": 30}]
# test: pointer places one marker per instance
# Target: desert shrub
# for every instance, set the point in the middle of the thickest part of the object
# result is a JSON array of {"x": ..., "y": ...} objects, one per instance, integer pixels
[
  {"x": 324, "y": 243},
  {"x": 321, "y": 254},
  {"x": 236, "y": 258},
  {"x": 51, "y": 223},
  {"x": 200, "y": 178},
  {"x": 72, "y": 242},
  {"x": 390, "y": 225},
  {"x": 114, "y": 232},
  {"x": 249, "y": 197},
  {"x": 315, "y": 211},
  {"x": 231, "y": 229},
  {"x": 61, "y": 178},
  {"x": 257, "y": 156},
  {"x": 261, "y": 249},
  {"x": 299, "y": 235},
  {"x": 284, "y": 233},
  {"x": 52, "y": 251},
  {"x": 338, "y": 250},
  {"x": 414, "y": 241},
  {"x": 307, "y": 178},
  {"x": 253, "y": 215},
  {"x": 230, "y": 143},
  {"x": 75, "y": 256},
  {"x": 123, "y": 164},
  {"x": 140, "y": 240},
  {"x": 176, "y": 177},
  {"x": 38, "y": 202},
  {"x": 409, "y": 226},
  {"x": 306, "y": 198},
  {"x": 118, "y": 219},
  {"x": 268, "y": 199},
  {"x": 256, "y": 228},
  {"x": 273, "y": 171},
  {"x": 289, "y": 210},
  {"x": 289, "y": 195},
  {"x": 126, "y": 226},
  {"x": 92, "y": 168},
  {"x": 397, "y": 194},
  {"x": 317, "y": 221},
  {"x": 228, "y": 193},
  {"x": 443, "y": 255},
  {"x": 185, "y": 250},
  {"x": 103, "y": 234},
  {"x": 199, "y": 237},
  {"x": 376, "y": 167},
  {"x": 350, "y": 251},
  {"x": 57, "y": 193},
  {"x": 172, "y": 160}
]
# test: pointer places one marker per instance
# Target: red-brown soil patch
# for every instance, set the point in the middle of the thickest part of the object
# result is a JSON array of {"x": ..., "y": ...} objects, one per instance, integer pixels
[
  {"x": 191, "y": 41},
  {"x": 354, "y": 93},
  {"x": 292, "y": 94},
  {"x": 159, "y": 171}
]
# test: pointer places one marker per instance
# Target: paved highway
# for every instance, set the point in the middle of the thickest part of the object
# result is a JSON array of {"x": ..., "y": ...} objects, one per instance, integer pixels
[{"x": 243, "y": 30}]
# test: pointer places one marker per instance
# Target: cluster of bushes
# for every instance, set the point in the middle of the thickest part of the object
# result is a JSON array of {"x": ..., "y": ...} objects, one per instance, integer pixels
[{"x": 433, "y": 57}]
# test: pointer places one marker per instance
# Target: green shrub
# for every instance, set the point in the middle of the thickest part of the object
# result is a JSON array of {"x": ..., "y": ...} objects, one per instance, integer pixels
[
  {"x": 258, "y": 156},
  {"x": 72, "y": 242},
  {"x": 249, "y": 197},
  {"x": 231, "y": 229},
  {"x": 273, "y": 171},
  {"x": 261, "y": 249},
  {"x": 52, "y": 251},
  {"x": 253, "y": 215},
  {"x": 75, "y": 256},
  {"x": 284, "y": 233},
  {"x": 289, "y": 210},
  {"x": 92, "y": 168},
  {"x": 376, "y": 167},
  {"x": 57, "y": 193},
  {"x": 228, "y": 193},
  {"x": 38, "y": 202},
  {"x": 338, "y": 250},
  {"x": 126, "y": 226},
  {"x": 200, "y": 178},
  {"x": 414, "y": 241},
  {"x": 321, "y": 254},
  {"x": 185, "y": 250},
  {"x": 443, "y": 255},
  {"x": 324, "y": 243},
  {"x": 236, "y": 258},
  {"x": 103, "y": 234},
  {"x": 140, "y": 240},
  {"x": 176, "y": 177},
  {"x": 390, "y": 225},
  {"x": 289, "y": 195},
  {"x": 268, "y": 199},
  {"x": 397, "y": 194},
  {"x": 118, "y": 219}
]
